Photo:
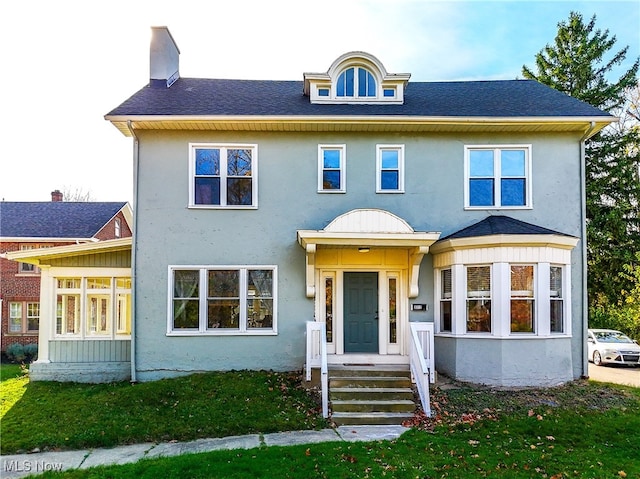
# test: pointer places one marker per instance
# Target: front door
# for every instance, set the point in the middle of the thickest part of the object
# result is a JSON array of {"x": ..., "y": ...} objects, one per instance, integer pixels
[{"x": 361, "y": 312}]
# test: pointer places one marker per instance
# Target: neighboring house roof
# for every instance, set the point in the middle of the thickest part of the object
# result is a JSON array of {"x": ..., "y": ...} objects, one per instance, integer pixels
[
  {"x": 490, "y": 99},
  {"x": 57, "y": 219},
  {"x": 501, "y": 225}
]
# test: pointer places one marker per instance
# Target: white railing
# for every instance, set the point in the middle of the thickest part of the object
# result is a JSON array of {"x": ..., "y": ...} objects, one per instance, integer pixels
[
  {"x": 422, "y": 361},
  {"x": 317, "y": 358}
]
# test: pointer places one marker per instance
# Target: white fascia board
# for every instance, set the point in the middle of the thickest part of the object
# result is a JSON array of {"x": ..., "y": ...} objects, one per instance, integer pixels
[
  {"x": 554, "y": 241},
  {"x": 44, "y": 239},
  {"x": 365, "y": 119},
  {"x": 36, "y": 256},
  {"x": 320, "y": 237}
]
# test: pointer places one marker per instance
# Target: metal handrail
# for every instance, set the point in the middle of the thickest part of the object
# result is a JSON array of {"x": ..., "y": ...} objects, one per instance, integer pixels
[
  {"x": 422, "y": 361},
  {"x": 317, "y": 358}
]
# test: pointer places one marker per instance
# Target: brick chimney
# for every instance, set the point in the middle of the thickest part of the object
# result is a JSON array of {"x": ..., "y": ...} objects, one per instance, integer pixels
[
  {"x": 164, "y": 58},
  {"x": 57, "y": 195}
]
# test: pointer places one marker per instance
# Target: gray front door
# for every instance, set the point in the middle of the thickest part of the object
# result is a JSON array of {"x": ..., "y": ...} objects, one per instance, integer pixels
[{"x": 361, "y": 312}]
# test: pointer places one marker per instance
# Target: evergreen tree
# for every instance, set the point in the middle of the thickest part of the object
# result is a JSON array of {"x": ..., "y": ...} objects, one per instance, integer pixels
[{"x": 576, "y": 65}]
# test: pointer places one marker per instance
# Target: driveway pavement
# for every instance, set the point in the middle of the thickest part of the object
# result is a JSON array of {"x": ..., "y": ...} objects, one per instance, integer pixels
[{"x": 626, "y": 375}]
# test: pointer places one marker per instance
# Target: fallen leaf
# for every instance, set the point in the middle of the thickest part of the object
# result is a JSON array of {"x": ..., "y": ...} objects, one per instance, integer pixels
[
  {"x": 307, "y": 452},
  {"x": 622, "y": 474}
]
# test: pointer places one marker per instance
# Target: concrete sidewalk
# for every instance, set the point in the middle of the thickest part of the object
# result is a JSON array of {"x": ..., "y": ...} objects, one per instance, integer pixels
[{"x": 22, "y": 465}]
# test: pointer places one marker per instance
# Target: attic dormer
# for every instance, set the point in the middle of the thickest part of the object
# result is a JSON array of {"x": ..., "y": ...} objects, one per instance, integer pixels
[{"x": 356, "y": 78}]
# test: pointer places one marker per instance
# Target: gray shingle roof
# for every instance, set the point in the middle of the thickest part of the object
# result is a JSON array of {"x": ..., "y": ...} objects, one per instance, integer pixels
[
  {"x": 496, "y": 225},
  {"x": 504, "y": 98},
  {"x": 55, "y": 219}
]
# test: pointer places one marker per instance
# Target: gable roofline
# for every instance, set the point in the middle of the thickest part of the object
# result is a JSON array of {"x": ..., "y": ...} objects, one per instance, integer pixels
[
  {"x": 126, "y": 211},
  {"x": 58, "y": 220}
]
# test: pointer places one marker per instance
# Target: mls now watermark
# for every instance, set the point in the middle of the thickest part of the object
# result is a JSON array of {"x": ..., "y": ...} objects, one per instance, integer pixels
[{"x": 30, "y": 466}]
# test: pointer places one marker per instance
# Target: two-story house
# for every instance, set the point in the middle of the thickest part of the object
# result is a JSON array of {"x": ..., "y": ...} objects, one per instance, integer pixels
[
  {"x": 32, "y": 226},
  {"x": 363, "y": 200}
]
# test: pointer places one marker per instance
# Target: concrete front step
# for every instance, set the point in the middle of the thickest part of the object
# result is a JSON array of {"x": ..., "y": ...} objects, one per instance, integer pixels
[
  {"x": 371, "y": 395},
  {"x": 401, "y": 405},
  {"x": 379, "y": 394},
  {"x": 370, "y": 381},
  {"x": 370, "y": 418}
]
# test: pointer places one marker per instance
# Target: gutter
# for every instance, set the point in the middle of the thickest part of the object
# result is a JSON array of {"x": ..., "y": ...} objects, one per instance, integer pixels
[
  {"x": 583, "y": 234},
  {"x": 134, "y": 249}
]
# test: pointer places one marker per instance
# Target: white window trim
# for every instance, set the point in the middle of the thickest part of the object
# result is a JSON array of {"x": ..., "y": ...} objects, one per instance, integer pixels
[
  {"x": 343, "y": 167},
  {"x": 202, "y": 329},
  {"x": 497, "y": 177},
  {"x": 379, "y": 170},
  {"x": 254, "y": 176},
  {"x": 500, "y": 301},
  {"x": 535, "y": 298},
  {"x": 83, "y": 292}
]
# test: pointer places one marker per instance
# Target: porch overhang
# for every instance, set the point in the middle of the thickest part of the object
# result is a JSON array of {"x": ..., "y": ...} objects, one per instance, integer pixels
[{"x": 416, "y": 243}]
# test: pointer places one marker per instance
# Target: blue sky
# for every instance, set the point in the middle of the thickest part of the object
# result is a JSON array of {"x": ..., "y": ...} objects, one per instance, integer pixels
[{"x": 66, "y": 63}]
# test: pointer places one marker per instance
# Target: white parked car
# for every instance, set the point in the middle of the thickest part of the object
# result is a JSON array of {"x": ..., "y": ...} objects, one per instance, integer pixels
[{"x": 608, "y": 346}]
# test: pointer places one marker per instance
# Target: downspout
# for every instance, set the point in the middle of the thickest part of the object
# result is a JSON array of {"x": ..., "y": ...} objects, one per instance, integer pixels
[
  {"x": 583, "y": 234},
  {"x": 134, "y": 247}
]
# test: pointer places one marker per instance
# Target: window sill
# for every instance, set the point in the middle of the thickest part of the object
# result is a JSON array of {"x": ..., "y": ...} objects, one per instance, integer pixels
[
  {"x": 332, "y": 192},
  {"x": 389, "y": 192},
  {"x": 92, "y": 338},
  {"x": 510, "y": 337},
  {"x": 218, "y": 207},
  {"x": 494, "y": 208},
  {"x": 220, "y": 333}
]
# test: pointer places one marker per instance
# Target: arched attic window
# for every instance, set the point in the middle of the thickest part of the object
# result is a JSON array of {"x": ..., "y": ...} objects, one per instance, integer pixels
[{"x": 356, "y": 79}]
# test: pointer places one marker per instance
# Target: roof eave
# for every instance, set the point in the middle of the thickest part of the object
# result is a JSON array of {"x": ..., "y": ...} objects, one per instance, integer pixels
[
  {"x": 502, "y": 240},
  {"x": 265, "y": 122},
  {"x": 37, "y": 256}
]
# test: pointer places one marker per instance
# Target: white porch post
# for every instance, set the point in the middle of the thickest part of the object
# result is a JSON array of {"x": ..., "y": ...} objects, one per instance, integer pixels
[{"x": 47, "y": 321}]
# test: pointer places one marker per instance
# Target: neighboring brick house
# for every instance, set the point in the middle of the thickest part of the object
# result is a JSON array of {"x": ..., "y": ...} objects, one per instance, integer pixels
[{"x": 33, "y": 225}]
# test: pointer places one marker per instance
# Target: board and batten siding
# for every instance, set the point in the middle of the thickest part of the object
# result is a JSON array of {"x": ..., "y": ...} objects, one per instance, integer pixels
[
  {"x": 115, "y": 259},
  {"x": 94, "y": 351}
]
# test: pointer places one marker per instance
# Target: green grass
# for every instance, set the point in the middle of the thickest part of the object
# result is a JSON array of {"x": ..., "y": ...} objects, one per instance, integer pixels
[
  {"x": 51, "y": 415},
  {"x": 11, "y": 371},
  {"x": 579, "y": 431},
  {"x": 582, "y": 429}
]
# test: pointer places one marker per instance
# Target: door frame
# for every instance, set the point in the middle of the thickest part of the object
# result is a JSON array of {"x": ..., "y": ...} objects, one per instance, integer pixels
[{"x": 333, "y": 279}]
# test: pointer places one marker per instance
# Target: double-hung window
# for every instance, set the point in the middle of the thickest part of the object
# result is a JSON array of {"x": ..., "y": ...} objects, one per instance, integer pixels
[
  {"x": 19, "y": 322},
  {"x": 522, "y": 299},
  {"x": 222, "y": 300},
  {"x": 479, "y": 299},
  {"x": 556, "y": 297},
  {"x": 223, "y": 175},
  {"x": 498, "y": 177},
  {"x": 390, "y": 168},
  {"x": 445, "y": 300},
  {"x": 331, "y": 168}
]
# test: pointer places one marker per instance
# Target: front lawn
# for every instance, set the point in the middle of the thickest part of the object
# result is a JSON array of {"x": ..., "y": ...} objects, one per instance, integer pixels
[
  {"x": 49, "y": 415},
  {"x": 582, "y": 430}
]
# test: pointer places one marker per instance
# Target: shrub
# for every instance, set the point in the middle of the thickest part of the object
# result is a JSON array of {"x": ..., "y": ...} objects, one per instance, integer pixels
[
  {"x": 15, "y": 353},
  {"x": 31, "y": 352}
]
